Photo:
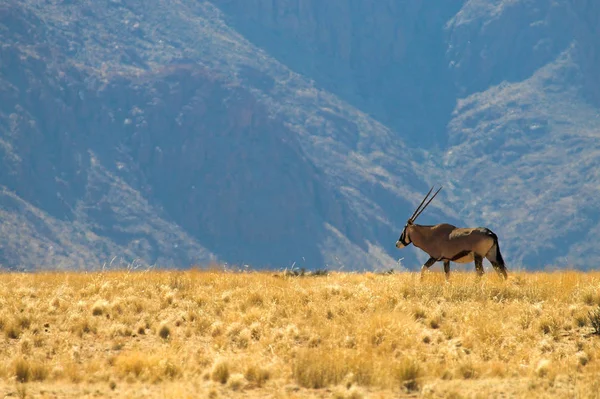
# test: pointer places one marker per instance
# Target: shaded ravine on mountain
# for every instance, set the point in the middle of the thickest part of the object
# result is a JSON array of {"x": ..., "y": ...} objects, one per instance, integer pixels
[
  {"x": 207, "y": 156},
  {"x": 386, "y": 58}
]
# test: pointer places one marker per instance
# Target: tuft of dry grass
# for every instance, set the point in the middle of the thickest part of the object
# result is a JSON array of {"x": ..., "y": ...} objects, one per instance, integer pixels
[
  {"x": 25, "y": 370},
  {"x": 164, "y": 331},
  {"x": 220, "y": 372},
  {"x": 260, "y": 334},
  {"x": 594, "y": 318},
  {"x": 257, "y": 375}
]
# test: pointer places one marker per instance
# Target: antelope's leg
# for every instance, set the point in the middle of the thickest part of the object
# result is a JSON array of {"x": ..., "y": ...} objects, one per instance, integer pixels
[
  {"x": 447, "y": 269},
  {"x": 426, "y": 266},
  {"x": 478, "y": 264}
]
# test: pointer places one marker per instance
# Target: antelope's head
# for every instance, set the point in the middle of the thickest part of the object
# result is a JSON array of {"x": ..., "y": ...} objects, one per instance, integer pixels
[{"x": 404, "y": 239}]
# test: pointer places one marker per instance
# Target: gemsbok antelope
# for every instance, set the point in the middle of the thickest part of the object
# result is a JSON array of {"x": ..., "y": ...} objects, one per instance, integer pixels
[{"x": 445, "y": 242}]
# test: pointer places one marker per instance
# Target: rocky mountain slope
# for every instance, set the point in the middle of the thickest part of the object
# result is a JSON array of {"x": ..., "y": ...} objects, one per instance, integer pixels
[
  {"x": 527, "y": 128},
  {"x": 502, "y": 95},
  {"x": 293, "y": 132}
]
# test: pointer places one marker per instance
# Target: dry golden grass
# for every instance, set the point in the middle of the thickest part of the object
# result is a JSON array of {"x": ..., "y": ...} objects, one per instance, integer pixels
[{"x": 343, "y": 335}]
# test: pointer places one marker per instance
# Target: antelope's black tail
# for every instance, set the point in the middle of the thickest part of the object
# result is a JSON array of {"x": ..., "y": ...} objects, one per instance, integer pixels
[
  {"x": 499, "y": 258},
  {"x": 495, "y": 256}
]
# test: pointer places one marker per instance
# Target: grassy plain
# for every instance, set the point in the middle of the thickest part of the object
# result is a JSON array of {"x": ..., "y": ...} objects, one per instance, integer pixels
[{"x": 266, "y": 335}]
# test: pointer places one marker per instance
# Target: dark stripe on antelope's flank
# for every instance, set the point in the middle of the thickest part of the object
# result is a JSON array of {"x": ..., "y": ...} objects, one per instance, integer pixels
[{"x": 460, "y": 255}]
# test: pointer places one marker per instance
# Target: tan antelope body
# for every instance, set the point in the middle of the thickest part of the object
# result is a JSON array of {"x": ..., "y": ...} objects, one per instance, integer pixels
[{"x": 445, "y": 242}]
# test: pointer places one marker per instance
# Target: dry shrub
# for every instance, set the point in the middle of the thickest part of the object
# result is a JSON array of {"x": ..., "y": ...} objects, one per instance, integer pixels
[
  {"x": 22, "y": 370},
  {"x": 591, "y": 296},
  {"x": 169, "y": 369},
  {"x": 467, "y": 370},
  {"x": 99, "y": 307},
  {"x": 435, "y": 322},
  {"x": 83, "y": 325},
  {"x": 120, "y": 330},
  {"x": 255, "y": 331},
  {"x": 132, "y": 364},
  {"x": 312, "y": 369},
  {"x": 581, "y": 320},
  {"x": 38, "y": 341},
  {"x": 543, "y": 367},
  {"x": 255, "y": 299},
  {"x": 236, "y": 382},
  {"x": 29, "y": 370},
  {"x": 549, "y": 325},
  {"x": 146, "y": 367},
  {"x": 407, "y": 372},
  {"x": 24, "y": 321},
  {"x": 25, "y": 346},
  {"x": 216, "y": 328},
  {"x": 315, "y": 368},
  {"x": 179, "y": 281},
  {"x": 238, "y": 335},
  {"x": 164, "y": 331},
  {"x": 39, "y": 371},
  {"x": 594, "y": 318},
  {"x": 419, "y": 313},
  {"x": 12, "y": 329},
  {"x": 220, "y": 372},
  {"x": 257, "y": 375}
]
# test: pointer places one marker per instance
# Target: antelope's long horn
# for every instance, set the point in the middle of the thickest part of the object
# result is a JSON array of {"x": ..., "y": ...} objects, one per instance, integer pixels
[
  {"x": 419, "y": 207},
  {"x": 428, "y": 202}
]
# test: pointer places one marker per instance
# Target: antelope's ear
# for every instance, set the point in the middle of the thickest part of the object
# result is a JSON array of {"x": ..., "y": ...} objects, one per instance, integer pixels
[{"x": 409, "y": 223}]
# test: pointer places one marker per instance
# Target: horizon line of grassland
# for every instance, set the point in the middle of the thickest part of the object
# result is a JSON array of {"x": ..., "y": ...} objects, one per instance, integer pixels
[
  {"x": 244, "y": 331},
  {"x": 294, "y": 270}
]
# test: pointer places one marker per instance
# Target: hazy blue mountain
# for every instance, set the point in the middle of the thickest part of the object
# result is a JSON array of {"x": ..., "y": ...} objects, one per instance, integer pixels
[
  {"x": 524, "y": 137},
  {"x": 294, "y": 132},
  {"x": 385, "y": 57}
]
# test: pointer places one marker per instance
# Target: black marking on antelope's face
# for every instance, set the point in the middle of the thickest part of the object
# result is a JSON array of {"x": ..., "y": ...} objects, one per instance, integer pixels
[{"x": 404, "y": 239}]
